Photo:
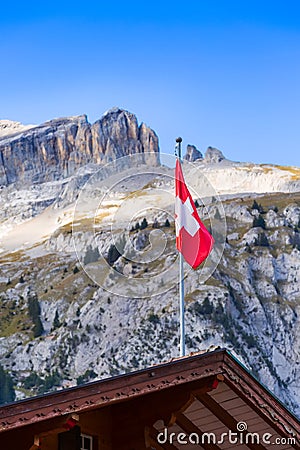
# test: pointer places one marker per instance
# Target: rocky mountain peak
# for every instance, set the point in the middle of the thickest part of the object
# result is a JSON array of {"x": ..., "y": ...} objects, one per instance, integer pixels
[
  {"x": 213, "y": 155},
  {"x": 58, "y": 147},
  {"x": 192, "y": 153}
]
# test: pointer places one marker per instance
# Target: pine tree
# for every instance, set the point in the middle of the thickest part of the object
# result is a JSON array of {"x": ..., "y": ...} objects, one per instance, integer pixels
[
  {"x": 56, "y": 322},
  {"x": 257, "y": 206},
  {"x": 144, "y": 224},
  {"x": 262, "y": 240},
  {"x": 34, "y": 310},
  {"x": 259, "y": 222},
  {"x": 167, "y": 223},
  {"x": 38, "y": 328},
  {"x": 7, "y": 392},
  {"x": 206, "y": 307},
  {"x": 87, "y": 376},
  {"x": 75, "y": 270},
  {"x": 91, "y": 255},
  {"x": 32, "y": 381},
  {"x": 217, "y": 214},
  {"x": 113, "y": 254}
]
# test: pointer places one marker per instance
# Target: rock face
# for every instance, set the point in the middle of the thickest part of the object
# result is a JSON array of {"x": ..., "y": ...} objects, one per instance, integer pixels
[
  {"x": 192, "y": 153},
  {"x": 250, "y": 305},
  {"x": 56, "y": 149},
  {"x": 213, "y": 155}
]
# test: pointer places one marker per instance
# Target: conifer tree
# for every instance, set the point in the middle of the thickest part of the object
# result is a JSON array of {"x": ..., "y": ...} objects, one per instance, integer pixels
[
  {"x": 34, "y": 310},
  {"x": 113, "y": 254},
  {"x": 259, "y": 222},
  {"x": 144, "y": 224},
  {"x": 7, "y": 392},
  {"x": 56, "y": 322}
]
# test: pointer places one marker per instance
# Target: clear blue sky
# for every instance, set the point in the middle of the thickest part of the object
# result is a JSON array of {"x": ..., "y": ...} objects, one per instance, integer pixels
[{"x": 220, "y": 73}]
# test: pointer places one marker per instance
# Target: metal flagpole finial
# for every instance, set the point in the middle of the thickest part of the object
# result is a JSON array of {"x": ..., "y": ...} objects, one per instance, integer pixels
[{"x": 178, "y": 147}]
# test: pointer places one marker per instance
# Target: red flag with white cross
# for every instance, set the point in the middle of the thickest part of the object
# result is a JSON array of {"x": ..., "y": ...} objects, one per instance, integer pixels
[{"x": 193, "y": 240}]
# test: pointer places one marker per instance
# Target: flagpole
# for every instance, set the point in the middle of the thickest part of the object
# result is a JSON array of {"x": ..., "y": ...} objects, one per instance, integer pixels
[{"x": 181, "y": 278}]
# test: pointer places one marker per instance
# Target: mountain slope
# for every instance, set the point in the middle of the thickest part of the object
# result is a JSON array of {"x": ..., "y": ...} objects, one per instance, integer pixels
[
  {"x": 250, "y": 305},
  {"x": 59, "y": 326}
]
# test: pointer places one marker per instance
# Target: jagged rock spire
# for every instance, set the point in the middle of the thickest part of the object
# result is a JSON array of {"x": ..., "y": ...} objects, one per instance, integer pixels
[{"x": 192, "y": 153}]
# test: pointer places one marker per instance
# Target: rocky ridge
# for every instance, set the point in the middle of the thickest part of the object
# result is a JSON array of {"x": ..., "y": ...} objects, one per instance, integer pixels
[
  {"x": 250, "y": 304},
  {"x": 56, "y": 149},
  {"x": 192, "y": 153},
  {"x": 212, "y": 155}
]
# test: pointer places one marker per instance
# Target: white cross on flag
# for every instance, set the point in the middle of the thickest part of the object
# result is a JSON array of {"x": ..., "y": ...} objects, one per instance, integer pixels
[{"x": 193, "y": 240}]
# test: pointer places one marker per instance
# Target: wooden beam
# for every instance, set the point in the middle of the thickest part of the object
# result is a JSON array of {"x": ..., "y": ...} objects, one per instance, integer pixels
[
  {"x": 177, "y": 404},
  {"x": 65, "y": 424},
  {"x": 189, "y": 427},
  {"x": 229, "y": 421},
  {"x": 173, "y": 415},
  {"x": 260, "y": 400},
  {"x": 209, "y": 386},
  {"x": 111, "y": 391},
  {"x": 138, "y": 413},
  {"x": 154, "y": 406},
  {"x": 277, "y": 425},
  {"x": 177, "y": 414}
]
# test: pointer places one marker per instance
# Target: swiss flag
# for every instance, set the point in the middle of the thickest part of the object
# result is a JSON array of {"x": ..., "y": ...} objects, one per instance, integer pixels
[{"x": 192, "y": 238}]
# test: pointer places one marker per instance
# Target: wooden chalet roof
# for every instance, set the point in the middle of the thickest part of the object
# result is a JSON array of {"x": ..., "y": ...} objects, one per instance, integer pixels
[{"x": 200, "y": 394}]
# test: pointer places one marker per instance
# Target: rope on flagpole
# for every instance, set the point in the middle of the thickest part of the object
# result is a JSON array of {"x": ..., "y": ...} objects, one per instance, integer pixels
[{"x": 181, "y": 274}]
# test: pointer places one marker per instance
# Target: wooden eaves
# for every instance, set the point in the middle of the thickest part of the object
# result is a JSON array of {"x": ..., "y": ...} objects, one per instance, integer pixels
[{"x": 174, "y": 386}]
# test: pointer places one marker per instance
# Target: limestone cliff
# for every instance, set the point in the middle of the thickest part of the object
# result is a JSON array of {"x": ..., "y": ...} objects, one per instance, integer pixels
[
  {"x": 56, "y": 149},
  {"x": 59, "y": 327}
]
